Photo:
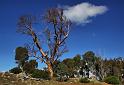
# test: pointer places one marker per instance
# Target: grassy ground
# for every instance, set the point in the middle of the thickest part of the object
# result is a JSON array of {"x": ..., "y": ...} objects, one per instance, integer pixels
[
  {"x": 32, "y": 82},
  {"x": 13, "y": 80}
]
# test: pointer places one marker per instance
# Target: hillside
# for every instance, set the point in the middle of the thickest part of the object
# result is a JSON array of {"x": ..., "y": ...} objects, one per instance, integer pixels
[{"x": 13, "y": 79}]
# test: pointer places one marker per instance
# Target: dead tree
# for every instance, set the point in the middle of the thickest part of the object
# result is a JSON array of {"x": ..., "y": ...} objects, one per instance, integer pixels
[{"x": 55, "y": 36}]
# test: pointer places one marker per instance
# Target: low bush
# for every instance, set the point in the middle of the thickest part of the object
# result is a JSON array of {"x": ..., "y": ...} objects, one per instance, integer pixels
[
  {"x": 40, "y": 74},
  {"x": 15, "y": 70},
  {"x": 84, "y": 80},
  {"x": 62, "y": 79},
  {"x": 112, "y": 80}
]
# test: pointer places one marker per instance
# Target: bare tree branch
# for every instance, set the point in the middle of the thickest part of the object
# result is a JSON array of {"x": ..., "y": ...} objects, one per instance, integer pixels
[{"x": 55, "y": 36}]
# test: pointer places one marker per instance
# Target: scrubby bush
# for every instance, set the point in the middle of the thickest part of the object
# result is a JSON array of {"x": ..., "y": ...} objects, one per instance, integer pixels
[
  {"x": 84, "y": 80},
  {"x": 62, "y": 79},
  {"x": 15, "y": 70},
  {"x": 30, "y": 66},
  {"x": 112, "y": 80},
  {"x": 40, "y": 74}
]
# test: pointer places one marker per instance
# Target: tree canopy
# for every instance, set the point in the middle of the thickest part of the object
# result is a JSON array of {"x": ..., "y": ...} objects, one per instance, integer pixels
[{"x": 21, "y": 55}]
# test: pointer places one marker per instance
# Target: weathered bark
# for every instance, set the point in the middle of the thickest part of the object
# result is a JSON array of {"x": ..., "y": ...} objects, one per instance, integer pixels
[{"x": 50, "y": 69}]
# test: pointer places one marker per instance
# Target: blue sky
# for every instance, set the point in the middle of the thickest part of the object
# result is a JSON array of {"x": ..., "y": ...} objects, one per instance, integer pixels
[{"x": 104, "y": 34}]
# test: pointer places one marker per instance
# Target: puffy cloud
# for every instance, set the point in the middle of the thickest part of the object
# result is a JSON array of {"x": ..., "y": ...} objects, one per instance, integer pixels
[{"x": 81, "y": 13}]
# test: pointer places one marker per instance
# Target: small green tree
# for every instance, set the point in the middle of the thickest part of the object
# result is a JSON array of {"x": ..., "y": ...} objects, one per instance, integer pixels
[
  {"x": 62, "y": 69},
  {"x": 62, "y": 72},
  {"x": 15, "y": 70},
  {"x": 21, "y": 56},
  {"x": 40, "y": 74},
  {"x": 77, "y": 58},
  {"x": 70, "y": 63},
  {"x": 89, "y": 60},
  {"x": 77, "y": 61},
  {"x": 30, "y": 66},
  {"x": 89, "y": 56},
  {"x": 93, "y": 63}
]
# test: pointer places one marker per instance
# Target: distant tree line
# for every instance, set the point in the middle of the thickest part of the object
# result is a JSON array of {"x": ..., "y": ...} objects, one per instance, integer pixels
[{"x": 70, "y": 66}]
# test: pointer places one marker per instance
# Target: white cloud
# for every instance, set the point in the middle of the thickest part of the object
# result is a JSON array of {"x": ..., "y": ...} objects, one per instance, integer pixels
[{"x": 81, "y": 13}]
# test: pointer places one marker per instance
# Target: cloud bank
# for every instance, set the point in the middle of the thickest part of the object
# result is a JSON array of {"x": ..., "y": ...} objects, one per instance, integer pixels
[{"x": 82, "y": 13}]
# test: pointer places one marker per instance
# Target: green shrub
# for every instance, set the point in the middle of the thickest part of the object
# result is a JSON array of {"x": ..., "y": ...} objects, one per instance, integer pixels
[
  {"x": 40, "y": 74},
  {"x": 84, "y": 80},
  {"x": 15, "y": 70},
  {"x": 112, "y": 80}
]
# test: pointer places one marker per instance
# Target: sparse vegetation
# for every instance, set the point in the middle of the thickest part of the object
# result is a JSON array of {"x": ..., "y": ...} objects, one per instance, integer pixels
[
  {"x": 40, "y": 74},
  {"x": 15, "y": 70},
  {"x": 84, "y": 80},
  {"x": 11, "y": 79},
  {"x": 112, "y": 80}
]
